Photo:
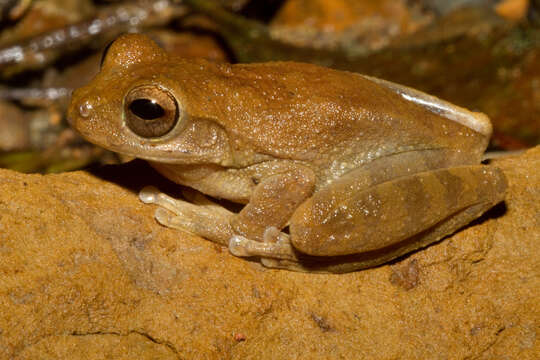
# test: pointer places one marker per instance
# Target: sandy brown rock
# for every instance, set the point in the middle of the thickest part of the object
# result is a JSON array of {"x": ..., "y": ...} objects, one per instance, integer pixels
[
  {"x": 331, "y": 24},
  {"x": 86, "y": 273}
]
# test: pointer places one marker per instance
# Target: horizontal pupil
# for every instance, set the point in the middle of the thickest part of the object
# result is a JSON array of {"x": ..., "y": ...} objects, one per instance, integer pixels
[{"x": 146, "y": 109}]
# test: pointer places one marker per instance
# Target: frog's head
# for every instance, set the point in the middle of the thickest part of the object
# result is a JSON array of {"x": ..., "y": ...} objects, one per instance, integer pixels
[{"x": 135, "y": 108}]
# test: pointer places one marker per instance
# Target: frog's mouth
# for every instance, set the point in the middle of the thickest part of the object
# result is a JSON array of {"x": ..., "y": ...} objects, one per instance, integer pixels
[
  {"x": 476, "y": 121},
  {"x": 185, "y": 159}
]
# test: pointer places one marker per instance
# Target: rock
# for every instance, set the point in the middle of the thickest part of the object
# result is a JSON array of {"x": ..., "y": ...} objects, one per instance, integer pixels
[
  {"x": 85, "y": 272},
  {"x": 515, "y": 10},
  {"x": 342, "y": 23}
]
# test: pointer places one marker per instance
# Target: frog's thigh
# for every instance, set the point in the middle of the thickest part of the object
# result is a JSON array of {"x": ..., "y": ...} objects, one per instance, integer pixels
[
  {"x": 421, "y": 208},
  {"x": 205, "y": 218}
]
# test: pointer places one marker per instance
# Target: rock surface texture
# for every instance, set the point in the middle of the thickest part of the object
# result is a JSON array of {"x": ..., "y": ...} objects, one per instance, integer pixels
[{"x": 86, "y": 273}]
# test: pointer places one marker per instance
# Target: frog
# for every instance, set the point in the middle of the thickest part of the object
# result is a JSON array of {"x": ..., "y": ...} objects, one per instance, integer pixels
[{"x": 332, "y": 171}]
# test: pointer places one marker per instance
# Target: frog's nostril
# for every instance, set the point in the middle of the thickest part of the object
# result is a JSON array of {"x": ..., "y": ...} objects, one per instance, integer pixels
[{"x": 85, "y": 109}]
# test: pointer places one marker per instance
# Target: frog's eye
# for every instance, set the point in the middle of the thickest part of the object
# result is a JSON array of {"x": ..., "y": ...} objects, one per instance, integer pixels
[{"x": 150, "y": 111}]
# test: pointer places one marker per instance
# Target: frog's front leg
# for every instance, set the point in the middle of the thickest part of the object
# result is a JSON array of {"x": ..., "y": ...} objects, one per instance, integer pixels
[
  {"x": 257, "y": 228},
  {"x": 273, "y": 202},
  {"x": 203, "y": 217},
  {"x": 270, "y": 207}
]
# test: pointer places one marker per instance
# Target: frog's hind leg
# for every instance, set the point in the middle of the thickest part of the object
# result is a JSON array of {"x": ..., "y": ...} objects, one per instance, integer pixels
[
  {"x": 285, "y": 256},
  {"x": 395, "y": 217}
]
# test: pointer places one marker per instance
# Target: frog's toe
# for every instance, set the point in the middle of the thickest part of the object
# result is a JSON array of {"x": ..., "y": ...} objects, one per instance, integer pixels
[
  {"x": 239, "y": 246},
  {"x": 168, "y": 219},
  {"x": 149, "y": 194},
  {"x": 163, "y": 217},
  {"x": 278, "y": 248}
]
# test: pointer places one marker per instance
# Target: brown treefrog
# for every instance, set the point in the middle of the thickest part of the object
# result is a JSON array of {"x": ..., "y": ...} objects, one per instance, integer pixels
[{"x": 338, "y": 171}]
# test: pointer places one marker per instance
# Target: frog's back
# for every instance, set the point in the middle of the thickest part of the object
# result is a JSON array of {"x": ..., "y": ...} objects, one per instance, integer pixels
[{"x": 303, "y": 111}]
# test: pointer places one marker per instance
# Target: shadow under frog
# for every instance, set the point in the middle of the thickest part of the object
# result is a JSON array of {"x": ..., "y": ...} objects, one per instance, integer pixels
[{"x": 359, "y": 170}]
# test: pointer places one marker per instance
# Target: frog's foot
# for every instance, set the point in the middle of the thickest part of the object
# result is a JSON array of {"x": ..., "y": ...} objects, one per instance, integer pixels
[
  {"x": 275, "y": 252},
  {"x": 275, "y": 245},
  {"x": 204, "y": 218}
]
